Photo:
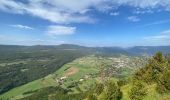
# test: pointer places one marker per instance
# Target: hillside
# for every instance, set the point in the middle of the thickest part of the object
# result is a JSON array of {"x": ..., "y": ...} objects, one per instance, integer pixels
[
  {"x": 20, "y": 64},
  {"x": 85, "y": 69},
  {"x": 71, "y": 70},
  {"x": 83, "y": 78}
]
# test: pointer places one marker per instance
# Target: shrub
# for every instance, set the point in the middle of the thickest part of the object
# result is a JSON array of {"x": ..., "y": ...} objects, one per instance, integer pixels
[
  {"x": 99, "y": 88},
  {"x": 164, "y": 83},
  {"x": 138, "y": 91},
  {"x": 92, "y": 97},
  {"x": 112, "y": 92}
]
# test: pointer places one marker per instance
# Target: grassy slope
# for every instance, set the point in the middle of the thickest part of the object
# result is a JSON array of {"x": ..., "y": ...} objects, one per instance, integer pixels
[
  {"x": 16, "y": 93},
  {"x": 85, "y": 65},
  {"x": 151, "y": 94}
]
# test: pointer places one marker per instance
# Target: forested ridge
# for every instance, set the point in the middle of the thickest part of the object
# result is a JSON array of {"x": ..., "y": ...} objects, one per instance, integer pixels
[{"x": 21, "y": 66}]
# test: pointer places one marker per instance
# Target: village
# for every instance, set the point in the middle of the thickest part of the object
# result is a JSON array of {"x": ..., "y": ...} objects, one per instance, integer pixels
[{"x": 115, "y": 67}]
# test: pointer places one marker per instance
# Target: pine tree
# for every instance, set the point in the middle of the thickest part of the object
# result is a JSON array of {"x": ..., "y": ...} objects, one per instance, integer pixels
[{"x": 159, "y": 57}]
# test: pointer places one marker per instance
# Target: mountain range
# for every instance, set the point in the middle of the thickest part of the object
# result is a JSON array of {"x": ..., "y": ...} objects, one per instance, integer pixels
[{"x": 136, "y": 50}]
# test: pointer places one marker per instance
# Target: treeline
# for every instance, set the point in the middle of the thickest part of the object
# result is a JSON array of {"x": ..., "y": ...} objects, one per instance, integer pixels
[
  {"x": 107, "y": 91},
  {"x": 156, "y": 71},
  {"x": 54, "y": 93}
]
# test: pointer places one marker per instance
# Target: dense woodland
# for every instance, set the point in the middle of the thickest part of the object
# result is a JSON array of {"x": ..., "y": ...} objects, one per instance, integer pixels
[{"x": 31, "y": 64}]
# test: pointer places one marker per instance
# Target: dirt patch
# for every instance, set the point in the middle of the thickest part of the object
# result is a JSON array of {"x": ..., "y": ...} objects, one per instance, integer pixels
[{"x": 71, "y": 71}]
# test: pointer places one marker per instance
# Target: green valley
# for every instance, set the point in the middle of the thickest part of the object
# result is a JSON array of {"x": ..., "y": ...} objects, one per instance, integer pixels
[{"x": 89, "y": 74}]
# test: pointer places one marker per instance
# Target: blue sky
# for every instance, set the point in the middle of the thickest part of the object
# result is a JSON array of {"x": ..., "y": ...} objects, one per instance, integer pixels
[{"x": 85, "y": 22}]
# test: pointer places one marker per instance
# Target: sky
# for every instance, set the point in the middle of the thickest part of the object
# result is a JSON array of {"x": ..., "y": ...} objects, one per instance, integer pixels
[{"x": 121, "y": 23}]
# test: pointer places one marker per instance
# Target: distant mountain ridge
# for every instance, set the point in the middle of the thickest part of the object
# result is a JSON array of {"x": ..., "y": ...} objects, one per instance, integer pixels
[
  {"x": 148, "y": 49},
  {"x": 136, "y": 50}
]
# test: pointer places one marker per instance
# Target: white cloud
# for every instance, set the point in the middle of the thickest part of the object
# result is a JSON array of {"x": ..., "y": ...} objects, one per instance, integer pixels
[
  {"x": 133, "y": 18},
  {"x": 163, "y": 38},
  {"x": 60, "y": 30},
  {"x": 114, "y": 13},
  {"x": 139, "y": 11},
  {"x": 11, "y": 6},
  {"x": 144, "y": 3},
  {"x": 58, "y": 16},
  {"x": 26, "y": 41},
  {"x": 57, "y": 11},
  {"x": 22, "y": 26},
  {"x": 40, "y": 42},
  {"x": 158, "y": 22},
  {"x": 75, "y": 11}
]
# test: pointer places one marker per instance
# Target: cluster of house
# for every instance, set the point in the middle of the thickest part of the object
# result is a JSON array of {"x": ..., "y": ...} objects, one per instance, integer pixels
[
  {"x": 61, "y": 80},
  {"x": 127, "y": 62},
  {"x": 120, "y": 62}
]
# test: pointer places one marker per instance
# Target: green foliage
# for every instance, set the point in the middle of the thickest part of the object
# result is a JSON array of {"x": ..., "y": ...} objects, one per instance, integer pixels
[
  {"x": 168, "y": 58},
  {"x": 164, "y": 82},
  {"x": 91, "y": 97},
  {"x": 159, "y": 57},
  {"x": 150, "y": 72},
  {"x": 99, "y": 88},
  {"x": 109, "y": 91},
  {"x": 138, "y": 91},
  {"x": 112, "y": 92},
  {"x": 54, "y": 93},
  {"x": 122, "y": 82},
  {"x": 157, "y": 70}
]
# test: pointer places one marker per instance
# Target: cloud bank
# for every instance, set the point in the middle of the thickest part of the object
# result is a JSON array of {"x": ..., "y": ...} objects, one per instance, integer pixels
[
  {"x": 163, "y": 38},
  {"x": 76, "y": 11}
]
